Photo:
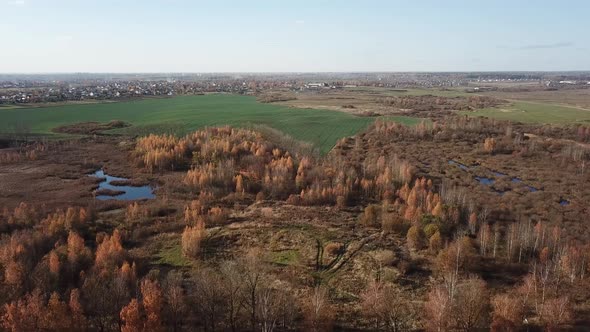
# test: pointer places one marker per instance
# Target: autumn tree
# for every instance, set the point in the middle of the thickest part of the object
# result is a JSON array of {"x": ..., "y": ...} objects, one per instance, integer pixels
[
  {"x": 131, "y": 317},
  {"x": 490, "y": 145},
  {"x": 134, "y": 212},
  {"x": 435, "y": 243},
  {"x": 76, "y": 310},
  {"x": 78, "y": 254},
  {"x": 191, "y": 240},
  {"x": 152, "y": 304},
  {"x": 110, "y": 252},
  {"x": 56, "y": 316},
  {"x": 25, "y": 314}
]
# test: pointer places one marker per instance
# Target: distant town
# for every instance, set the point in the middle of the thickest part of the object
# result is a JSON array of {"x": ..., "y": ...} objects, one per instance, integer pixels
[{"x": 48, "y": 88}]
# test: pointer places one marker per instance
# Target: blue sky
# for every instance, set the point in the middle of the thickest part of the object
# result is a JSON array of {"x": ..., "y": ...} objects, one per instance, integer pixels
[{"x": 293, "y": 36}]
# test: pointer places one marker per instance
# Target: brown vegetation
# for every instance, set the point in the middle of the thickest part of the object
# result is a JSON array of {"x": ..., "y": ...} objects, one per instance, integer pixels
[{"x": 383, "y": 234}]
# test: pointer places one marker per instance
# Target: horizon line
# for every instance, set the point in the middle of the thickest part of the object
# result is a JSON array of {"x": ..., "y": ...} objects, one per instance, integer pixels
[{"x": 296, "y": 72}]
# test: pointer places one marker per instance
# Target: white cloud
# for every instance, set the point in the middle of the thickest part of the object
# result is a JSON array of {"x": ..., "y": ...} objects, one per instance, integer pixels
[
  {"x": 17, "y": 2},
  {"x": 299, "y": 22}
]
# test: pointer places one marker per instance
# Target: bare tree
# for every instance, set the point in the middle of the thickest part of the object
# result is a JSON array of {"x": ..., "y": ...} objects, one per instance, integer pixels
[
  {"x": 556, "y": 312},
  {"x": 471, "y": 306},
  {"x": 438, "y": 310},
  {"x": 233, "y": 285},
  {"x": 387, "y": 307},
  {"x": 508, "y": 312},
  {"x": 318, "y": 310},
  {"x": 208, "y": 298},
  {"x": 274, "y": 307},
  {"x": 175, "y": 300},
  {"x": 253, "y": 277}
]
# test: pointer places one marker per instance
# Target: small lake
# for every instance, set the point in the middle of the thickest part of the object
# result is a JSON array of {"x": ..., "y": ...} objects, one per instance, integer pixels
[
  {"x": 458, "y": 164},
  {"x": 129, "y": 193},
  {"x": 484, "y": 180},
  {"x": 489, "y": 181}
]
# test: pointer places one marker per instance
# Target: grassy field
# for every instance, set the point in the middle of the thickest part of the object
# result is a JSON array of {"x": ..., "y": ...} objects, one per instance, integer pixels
[
  {"x": 532, "y": 112},
  {"x": 406, "y": 120},
  {"x": 181, "y": 115},
  {"x": 9, "y": 107},
  {"x": 412, "y": 92}
]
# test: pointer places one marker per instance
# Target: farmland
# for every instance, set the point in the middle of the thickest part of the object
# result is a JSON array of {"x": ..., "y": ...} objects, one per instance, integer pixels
[
  {"x": 182, "y": 115},
  {"x": 534, "y": 112}
]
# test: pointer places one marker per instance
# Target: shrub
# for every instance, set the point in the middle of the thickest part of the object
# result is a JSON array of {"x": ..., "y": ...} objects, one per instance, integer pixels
[
  {"x": 191, "y": 240},
  {"x": 415, "y": 238},
  {"x": 369, "y": 217}
]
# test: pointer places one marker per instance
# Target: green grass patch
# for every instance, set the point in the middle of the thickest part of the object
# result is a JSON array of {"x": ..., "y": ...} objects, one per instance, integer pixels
[
  {"x": 184, "y": 114},
  {"x": 171, "y": 254},
  {"x": 284, "y": 257},
  {"x": 9, "y": 107},
  {"x": 413, "y": 92},
  {"x": 530, "y": 112},
  {"x": 405, "y": 120}
]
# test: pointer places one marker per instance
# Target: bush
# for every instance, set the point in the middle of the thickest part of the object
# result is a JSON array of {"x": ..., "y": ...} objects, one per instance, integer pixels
[
  {"x": 415, "y": 238},
  {"x": 391, "y": 223},
  {"x": 191, "y": 240},
  {"x": 369, "y": 217}
]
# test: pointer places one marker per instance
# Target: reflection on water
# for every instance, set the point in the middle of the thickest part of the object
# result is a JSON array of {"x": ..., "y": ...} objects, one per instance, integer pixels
[
  {"x": 461, "y": 166},
  {"x": 484, "y": 180},
  {"x": 130, "y": 193},
  {"x": 490, "y": 181}
]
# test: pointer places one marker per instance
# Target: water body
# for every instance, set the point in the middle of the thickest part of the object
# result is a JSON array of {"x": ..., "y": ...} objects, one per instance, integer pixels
[
  {"x": 490, "y": 181},
  {"x": 530, "y": 188},
  {"x": 461, "y": 166},
  {"x": 564, "y": 202},
  {"x": 130, "y": 193},
  {"x": 484, "y": 180}
]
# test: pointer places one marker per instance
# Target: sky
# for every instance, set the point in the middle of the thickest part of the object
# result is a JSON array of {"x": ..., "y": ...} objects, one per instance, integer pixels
[{"x": 51, "y": 36}]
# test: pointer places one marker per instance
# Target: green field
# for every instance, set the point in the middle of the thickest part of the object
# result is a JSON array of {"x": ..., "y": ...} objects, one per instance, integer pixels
[
  {"x": 532, "y": 112},
  {"x": 181, "y": 115},
  {"x": 413, "y": 92},
  {"x": 406, "y": 120}
]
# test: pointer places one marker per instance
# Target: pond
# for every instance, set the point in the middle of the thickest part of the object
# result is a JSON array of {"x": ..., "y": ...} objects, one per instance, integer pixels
[
  {"x": 498, "y": 174},
  {"x": 484, "y": 180},
  {"x": 461, "y": 166},
  {"x": 123, "y": 193},
  {"x": 489, "y": 181}
]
